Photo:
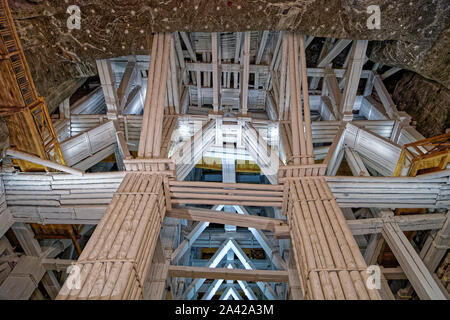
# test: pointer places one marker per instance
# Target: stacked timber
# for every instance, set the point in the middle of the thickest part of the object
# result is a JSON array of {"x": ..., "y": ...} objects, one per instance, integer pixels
[
  {"x": 392, "y": 192},
  {"x": 151, "y": 140},
  {"x": 60, "y": 198},
  {"x": 300, "y": 147},
  {"x": 116, "y": 260},
  {"x": 63, "y": 198},
  {"x": 213, "y": 193},
  {"x": 328, "y": 260}
]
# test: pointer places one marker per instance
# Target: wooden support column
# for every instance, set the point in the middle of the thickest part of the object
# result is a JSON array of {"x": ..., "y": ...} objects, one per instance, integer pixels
[
  {"x": 385, "y": 97},
  {"x": 245, "y": 73},
  {"x": 108, "y": 82},
  {"x": 284, "y": 79},
  {"x": 328, "y": 261},
  {"x": 237, "y": 56},
  {"x": 357, "y": 61},
  {"x": 151, "y": 134},
  {"x": 334, "y": 92},
  {"x": 215, "y": 73},
  {"x": 173, "y": 84},
  {"x": 298, "y": 135},
  {"x": 306, "y": 106},
  {"x": 64, "y": 109},
  {"x": 116, "y": 260}
]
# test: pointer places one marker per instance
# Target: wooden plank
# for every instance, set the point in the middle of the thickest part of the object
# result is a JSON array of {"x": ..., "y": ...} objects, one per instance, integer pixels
[
  {"x": 229, "y": 274},
  {"x": 239, "y": 220},
  {"x": 215, "y": 73}
]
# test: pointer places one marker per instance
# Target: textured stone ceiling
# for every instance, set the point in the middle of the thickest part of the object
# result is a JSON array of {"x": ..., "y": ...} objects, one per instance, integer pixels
[{"x": 414, "y": 34}]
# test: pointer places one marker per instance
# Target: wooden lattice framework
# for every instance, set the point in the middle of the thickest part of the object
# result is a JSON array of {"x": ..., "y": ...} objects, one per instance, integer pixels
[
  {"x": 432, "y": 154},
  {"x": 31, "y": 129}
]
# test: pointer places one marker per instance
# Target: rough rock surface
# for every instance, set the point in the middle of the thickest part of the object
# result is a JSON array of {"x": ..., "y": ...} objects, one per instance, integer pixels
[
  {"x": 413, "y": 34},
  {"x": 426, "y": 101},
  {"x": 4, "y": 138}
]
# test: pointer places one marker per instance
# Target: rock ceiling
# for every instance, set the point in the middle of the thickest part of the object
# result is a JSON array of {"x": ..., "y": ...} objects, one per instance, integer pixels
[{"x": 414, "y": 35}]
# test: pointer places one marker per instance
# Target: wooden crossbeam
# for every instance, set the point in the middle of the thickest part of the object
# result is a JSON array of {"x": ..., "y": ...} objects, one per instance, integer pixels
[
  {"x": 333, "y": 52},
  {"x": 239, "y": 220},
  {"x": 229, "y": 274},
  {"x": 418, "y": 274},
  {"x": 192, "y": 192}
]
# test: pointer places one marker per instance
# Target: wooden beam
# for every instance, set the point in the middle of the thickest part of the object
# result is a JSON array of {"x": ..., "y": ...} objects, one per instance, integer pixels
[
  {"x": 213, "y": 216},
  {"x": 385, "y": 97},
  {"x": 228, "y": 274},
  {"x": 390, "y": 72},
  {"x": 334, "y": 52},
  {"x": 419, "y": 276},
  {"x": 334, "y": 91},
  {"x": 215, "y": 73},
  {"x": 108, "y": 82},
  {"x": 46, "y": 163},
  {"x": 237, "y": 54},
  {"x": 187, "y": 43},
  {"x": 405, "y": 222},
  {"x": 395, "y": 273},
  {"x": 436, "y": 246},
  {"x": 245, "y": 73},
  {"x": 357, "y": 61},
  {"x": 262, "y": 47}
]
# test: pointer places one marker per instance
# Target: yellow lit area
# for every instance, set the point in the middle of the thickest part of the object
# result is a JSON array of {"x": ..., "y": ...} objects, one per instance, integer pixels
[{"x": 212, "y": 163}]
